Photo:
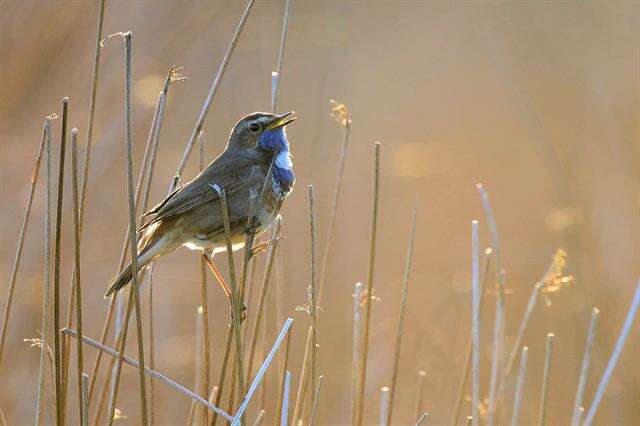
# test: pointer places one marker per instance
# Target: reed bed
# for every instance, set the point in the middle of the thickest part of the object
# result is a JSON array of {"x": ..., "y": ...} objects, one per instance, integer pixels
[{"x": 301, "y": 362}]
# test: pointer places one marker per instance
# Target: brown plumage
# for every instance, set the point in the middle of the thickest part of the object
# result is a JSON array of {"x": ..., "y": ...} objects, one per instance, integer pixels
[{"x": 191, "y": 215}]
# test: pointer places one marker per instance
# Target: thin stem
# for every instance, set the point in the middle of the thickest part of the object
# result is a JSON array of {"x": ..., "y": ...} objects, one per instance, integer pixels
[
  {"x": 475, "y": 322},
  {"x": 223, "y": 371},
  {"x": 213, "y": 90},
  {"x": 384, "y": 406},
  {"x": 302, "y": 384},
  {"x": 542, "y": 419},
  {"x": 517, "y": 401},
  {"x": 283, "y": 41},
  {"x": 283, "y": 383},
  {"x": 84, "y": 401},
  {"x": 57, "y": 353},
  {"x": 285, "y": 399},
  {"x": 613, "y": 360},
  {"x": 76, "y": 269},
  {"x": 261, "y": 300},
  {"x": 46, "y": 299},
  {"x": 422, "y": 418},
  {"x": 355, "y": 358},
  {"x": 313, "y": 308},
  {"x": 316, "y": 398},
  {"x": 164, "y": 379},
  {"x": 23, "y": 232},
  {"x": 584, "y": 370},
  {"x": 403, "y": 309},
  {"x": 259, "y": 418},
  {"x": 420, "y": 392},
  {"x": 467, "y": 363},
  {"x": 369, "y": 291}
]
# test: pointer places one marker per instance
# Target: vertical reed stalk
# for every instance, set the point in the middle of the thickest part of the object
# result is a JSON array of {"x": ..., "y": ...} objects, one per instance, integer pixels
[
  {"x": 384, "y": 406},
  {"x": 542, "y": 418},
  {"x": 344, "y": 122},
  {"x": 401, "y": 319},
  {"x": 278, "y": 73},
  {"x": 76, "y": 268},
  {"x": 355, "y": 358},
  {"x": 259, "y": 418},
  {"x": 467, "y": 363},
  {"x": 285, "y": 399},
  {"x": 23, "y": 232},
  {"x": 517, "y": 401},
  {"x": 475, "y": 323},
  {"x": 313, "y": 308},
  {"x": 422, "y": 418},
  {"x": 223, "y": 371},
  {"x": 499, "y": 324},
  {"x": 613, "y": 360},
  {"x": 420, "y": 393},
  {"x": 316, "y": 398},
  {"x": 84, "y": 401},
  {"x": 261, "y": 300},
  {"x": 283, "y": 380},
  {"x": 302, "y": 384},
  {"x": 46, "y": 298},
  {"x": 133, "y": 243},
  {"x": 369, "y": 291},
  {"x": 57, "y": 353},
  {"x": 584, "y": 370}
]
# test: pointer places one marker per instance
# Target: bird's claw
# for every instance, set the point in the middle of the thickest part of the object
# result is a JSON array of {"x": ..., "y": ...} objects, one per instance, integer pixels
[{"x": 264, "y": 245}]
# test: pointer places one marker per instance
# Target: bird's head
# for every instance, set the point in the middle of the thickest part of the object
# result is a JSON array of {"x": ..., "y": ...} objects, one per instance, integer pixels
[{"x": 263, "y": 130}]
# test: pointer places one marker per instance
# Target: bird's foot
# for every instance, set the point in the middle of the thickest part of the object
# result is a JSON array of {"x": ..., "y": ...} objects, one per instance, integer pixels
[{"x": 262, "y": 246}]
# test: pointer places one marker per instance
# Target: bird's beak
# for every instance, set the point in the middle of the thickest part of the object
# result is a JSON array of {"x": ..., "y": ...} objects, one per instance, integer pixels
[{"x": 282, "y": 120}]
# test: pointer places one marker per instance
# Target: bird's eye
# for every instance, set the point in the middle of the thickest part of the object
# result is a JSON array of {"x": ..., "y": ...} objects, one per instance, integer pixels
[{"x": 254, "y": 127}]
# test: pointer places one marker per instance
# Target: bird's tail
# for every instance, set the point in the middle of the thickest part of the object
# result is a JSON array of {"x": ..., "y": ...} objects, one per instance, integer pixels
[{"x": 120, "y": 282}]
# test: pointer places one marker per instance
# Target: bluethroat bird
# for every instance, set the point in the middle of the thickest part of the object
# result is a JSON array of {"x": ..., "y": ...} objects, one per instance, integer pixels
[{"x": 255, "y": 164}]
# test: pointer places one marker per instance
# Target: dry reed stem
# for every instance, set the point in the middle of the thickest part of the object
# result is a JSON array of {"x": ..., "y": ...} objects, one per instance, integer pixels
[
  {"x": 76, "y": 270},
  {"x": 235, "y": 295},
  {"x": 57, "y": 353},
  {"x": 420, "y": 392},
  {"x": 46, "y": 299},
  {"x": 613, "y": 360},
  {"x": 23, "y": 232},
  {"x": 261, "y": 300},
  {"x": 346, "y": 124},
  {"x": 204, "y": 302},
  {"x": 355, "y": 358},
  {"x": 467, "y": 363},
  {"x": 422, "y": 418},
  {"x": 261, "y": 372},
  {"x": 283, "y": 380},
  {"x": 384, "y": 406},
  {"x": 499, "y": 324},
  {"x": 285, "y": 399},
  {"x": 84, "y": 401},
  {"x": 259, "y": 418},
  {"x": 313, "y": 308},
  {"x": 275, "y": 84},
  {"x": 316, "y": 398},
  {"x": 403, "y": 309},
  {"x": 213, "y": 90},
  {"x": 164, "y": 379},
  {"x": 542, "y": 418},
  {"x": 584, "y": 370},
  {"x": 223, "y": 371},
  {"x": 133, "y": 244},
  {"x": 302, "y": 384},
  {"x": 475, "y": 323},
  {"x": 369, "y": 290},
  {"x": 517, "y": 400}
]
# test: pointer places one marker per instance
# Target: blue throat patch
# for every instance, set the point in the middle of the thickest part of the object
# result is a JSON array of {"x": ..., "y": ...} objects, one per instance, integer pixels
[{"x": 276, "y": 142}]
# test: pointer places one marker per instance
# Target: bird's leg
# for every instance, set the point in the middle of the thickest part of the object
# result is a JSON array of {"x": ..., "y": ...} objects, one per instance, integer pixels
[
  {"x": 262, "y": 246},
  {"x": 223, "y": 283}
]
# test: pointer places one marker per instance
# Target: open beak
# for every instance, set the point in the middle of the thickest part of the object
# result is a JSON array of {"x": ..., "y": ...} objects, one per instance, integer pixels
[{"x": 282, "y": 120}]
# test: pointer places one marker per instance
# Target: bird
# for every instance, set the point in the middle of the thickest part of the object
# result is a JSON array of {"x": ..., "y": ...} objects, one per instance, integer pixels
[{"x": 256, "y": 164}]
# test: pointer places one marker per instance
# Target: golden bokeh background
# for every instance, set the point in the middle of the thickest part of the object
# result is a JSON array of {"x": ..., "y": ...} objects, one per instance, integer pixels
[{"x": 537, "y": 100}]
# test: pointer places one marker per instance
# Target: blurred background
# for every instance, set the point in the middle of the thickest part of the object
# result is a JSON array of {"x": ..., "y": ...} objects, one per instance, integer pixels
[{"x": 537, "y": 100}]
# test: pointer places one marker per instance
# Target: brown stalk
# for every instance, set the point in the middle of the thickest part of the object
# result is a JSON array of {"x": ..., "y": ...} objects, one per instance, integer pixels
[
  {"x": 23, "y": 232},
  {"x": 302, "y": 384},
  {"x": 57, "y": 353},
  {"x": 316, "y": 398},
  {"x": 369, "y": 290},
  {"x": 133, "y": 244},
  {"x": 313, "y": 308},
  {"x": 46, "y": 299},
  {"x": 278, "y": 416},
  {"x": 420, "y": 393},
  {"x": 403, "y": 308},
  {"x": 542, "y": 416},
  {"x": 223, "y": 371}
]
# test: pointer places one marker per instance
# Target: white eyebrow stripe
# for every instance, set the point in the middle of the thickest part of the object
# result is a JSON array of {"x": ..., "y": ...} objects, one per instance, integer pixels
[{"x": 283, "y": 160}]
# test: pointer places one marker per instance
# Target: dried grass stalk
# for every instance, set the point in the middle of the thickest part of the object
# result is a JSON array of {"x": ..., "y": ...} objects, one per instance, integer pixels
[
  {"x": 403, "y": 308},
  {"x": 584, "y": 370},
  {"x": 384, "y": 406},
  {"x": 285, "y": 399},
  {"x": 223, "y": 371},
  {"x": 420, "y": 393},
  {"x": 316, "y": 398},
  {"x": 369, "y": 290},
  {"x": 84, "y": 401},
  {"x": 355, "y": 358},
  {"x": 275, "y": 82},
  {"x": 542, "y": 417},
  {"x": 313, "y": 294},
  {"x": 517, "y": 400},
  {"x": 302, "y": 384},
  {"x": 475, "y": 323},
  {"x": 283, "y": 380}
]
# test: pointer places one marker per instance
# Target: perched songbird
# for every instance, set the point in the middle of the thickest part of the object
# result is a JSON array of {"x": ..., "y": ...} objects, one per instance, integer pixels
[{"x": 191, "y": 215}]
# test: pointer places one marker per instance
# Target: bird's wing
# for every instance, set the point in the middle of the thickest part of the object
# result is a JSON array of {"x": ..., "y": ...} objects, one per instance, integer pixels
[{"x": 231, "y": 171}]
